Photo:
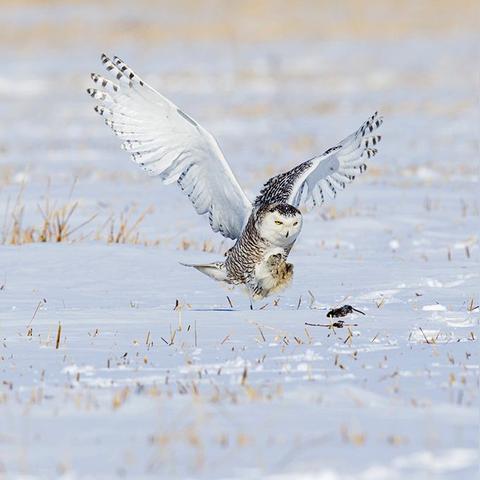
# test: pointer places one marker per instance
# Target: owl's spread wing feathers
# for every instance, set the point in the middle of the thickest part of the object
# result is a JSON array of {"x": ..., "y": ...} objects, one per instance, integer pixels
[
  {"x": 310, "y": 182},
  {"x": 166, "y": 142}
]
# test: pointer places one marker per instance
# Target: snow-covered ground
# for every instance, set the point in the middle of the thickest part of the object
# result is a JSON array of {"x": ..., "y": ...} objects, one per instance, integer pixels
[{"x": 132, "y": 386}]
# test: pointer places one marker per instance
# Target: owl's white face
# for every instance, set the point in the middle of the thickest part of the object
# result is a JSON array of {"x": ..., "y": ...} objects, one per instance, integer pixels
[{"x": 279, "y": 229}]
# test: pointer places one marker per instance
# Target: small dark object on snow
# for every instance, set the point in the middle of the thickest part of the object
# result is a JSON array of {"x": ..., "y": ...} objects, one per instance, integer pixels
[
  {"x": 337, "y": 324},
  {"x": 342, "y": 311}
]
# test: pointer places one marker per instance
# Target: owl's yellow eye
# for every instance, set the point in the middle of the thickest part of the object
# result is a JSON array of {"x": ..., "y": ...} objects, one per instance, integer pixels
[
  {"x": 278, "y": 222},
  {"x": 295, "y": 224}
]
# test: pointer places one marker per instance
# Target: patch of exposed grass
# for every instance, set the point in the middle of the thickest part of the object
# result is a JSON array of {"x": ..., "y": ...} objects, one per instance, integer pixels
[{"x": 58, "y": 222}]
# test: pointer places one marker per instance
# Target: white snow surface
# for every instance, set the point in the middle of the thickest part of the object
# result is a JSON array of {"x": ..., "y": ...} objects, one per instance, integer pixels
[{"x": 213, "y": 390}]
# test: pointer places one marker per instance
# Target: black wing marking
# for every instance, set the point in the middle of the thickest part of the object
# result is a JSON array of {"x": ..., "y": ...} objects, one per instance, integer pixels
[{"x": 325, "y": 174}]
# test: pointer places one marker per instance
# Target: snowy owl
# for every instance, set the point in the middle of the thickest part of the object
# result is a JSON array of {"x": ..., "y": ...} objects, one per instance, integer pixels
[{"x": 167, "y": 142}]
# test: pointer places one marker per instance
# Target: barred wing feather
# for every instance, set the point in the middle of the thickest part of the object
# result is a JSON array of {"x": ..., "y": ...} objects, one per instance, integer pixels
[
  {"x": 310, "y": 182},
  {"x": 165, "y": 141}
]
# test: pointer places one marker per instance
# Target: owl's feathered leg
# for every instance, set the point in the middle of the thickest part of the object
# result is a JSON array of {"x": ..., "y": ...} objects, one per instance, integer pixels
[{"x": 215, "y": 270}]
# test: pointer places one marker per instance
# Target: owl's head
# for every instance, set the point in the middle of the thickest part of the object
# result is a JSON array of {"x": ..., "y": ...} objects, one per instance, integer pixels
[{"x": 279, "y": 224}]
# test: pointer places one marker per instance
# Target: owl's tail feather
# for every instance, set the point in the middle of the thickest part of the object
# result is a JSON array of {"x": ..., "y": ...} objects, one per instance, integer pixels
[{"x": 215, "y": 270}]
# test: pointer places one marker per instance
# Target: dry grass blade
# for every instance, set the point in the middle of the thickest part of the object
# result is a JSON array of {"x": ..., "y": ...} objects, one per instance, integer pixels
[
  {"x": 83, "y": 224},
  {"x": 40, "y": 303},
  {"x": 470, "y": 307},
  {"x": 127, "y": 233},
  {"x": 244, "y": 376},
  {"x": 425, "y": 337},
  {"x": 59, "y": 334},
  {"x": 312, "y": 299},
  {"x": 261, "y": 333}
]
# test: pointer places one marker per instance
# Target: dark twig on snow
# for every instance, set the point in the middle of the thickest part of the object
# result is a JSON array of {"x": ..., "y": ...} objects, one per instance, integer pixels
[{"x": 337, "y": 324}]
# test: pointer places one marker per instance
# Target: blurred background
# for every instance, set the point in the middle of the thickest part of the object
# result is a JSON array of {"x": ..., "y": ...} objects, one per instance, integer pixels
[{"x": 276, "y": 81}]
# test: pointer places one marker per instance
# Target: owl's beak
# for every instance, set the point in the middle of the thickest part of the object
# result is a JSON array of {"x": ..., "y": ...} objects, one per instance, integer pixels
[{"x": 288, "y": 233}]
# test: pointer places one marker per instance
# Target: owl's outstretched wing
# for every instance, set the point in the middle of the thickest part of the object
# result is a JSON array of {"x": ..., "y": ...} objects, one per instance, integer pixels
[
  {"x": 166, "y": 142},
  {"x": 309, "y": 182}
]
